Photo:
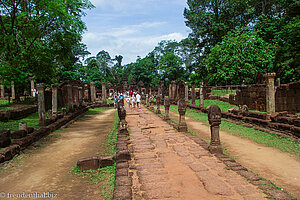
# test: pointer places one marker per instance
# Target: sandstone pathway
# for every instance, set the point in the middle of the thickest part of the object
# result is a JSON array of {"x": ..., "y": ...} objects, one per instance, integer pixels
[{"x": 166, "y": 164}]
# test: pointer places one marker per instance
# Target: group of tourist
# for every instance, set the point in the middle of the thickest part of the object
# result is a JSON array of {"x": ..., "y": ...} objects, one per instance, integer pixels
[{"x": 133, "y": 99}]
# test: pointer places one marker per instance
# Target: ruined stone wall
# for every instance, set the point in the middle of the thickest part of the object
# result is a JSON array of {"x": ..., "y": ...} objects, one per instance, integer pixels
[
  {"x": 288, "y": 97},
  {"x": 254, "y": 96}
]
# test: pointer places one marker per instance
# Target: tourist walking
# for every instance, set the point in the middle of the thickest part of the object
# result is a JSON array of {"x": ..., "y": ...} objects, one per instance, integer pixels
[{"x": 138, "y": 100}]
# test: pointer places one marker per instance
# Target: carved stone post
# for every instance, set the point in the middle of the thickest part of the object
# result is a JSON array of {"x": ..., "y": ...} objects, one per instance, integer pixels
[
  {"x": 193, "y": 93},
  {"x": 158, "y": 105},
  {"x": 147, "y": 101},
  {"x": 70, "y": 94},
  {"x": 76, "y": 96},
  {"x": 54, "y": 99},
  {"x": 2, "y": 91},
  {"x": 151, "y": 103},
  {"x": 270, "y": 94},
  {"x": 182, "y": 109},
  {"x": 173, "y": 91},
  {"x": 80, "y": 94},
  {"x": 93, "y": 92},
  {"x": 167, "y": 108},
  {"x": 201, "y": 94},
  {"x": 186, "y": 92},
  {"x": 31, "y": 86},
  {"x": 41, "y": 104},
  {"x": 103, "y": 93},
  {"x": 214, "y": 118},
  {"x": 13, "y": 93},
  {"x": 122, "y": 116},
  {"x": 170, "y": 90}
]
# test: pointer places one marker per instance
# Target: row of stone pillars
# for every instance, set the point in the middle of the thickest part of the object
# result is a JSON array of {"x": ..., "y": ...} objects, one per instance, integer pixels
[
  {"x": 214, "y": 118},
  {"x": 13, "y": 93},
  {"x": 78, "y": 100}
]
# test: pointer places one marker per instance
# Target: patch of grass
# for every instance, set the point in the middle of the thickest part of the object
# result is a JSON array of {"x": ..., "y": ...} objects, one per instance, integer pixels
[
  {"x": 3, "y": 102},
  {"x": 16, "y": 161},
  {"x": 222, "y": 92},
  {"x": 93, "y": 111},
  {"x": 111, "y": 140},
  {"x": 269, "y": 139},
  {"x": 105, "y": 176},
  {"x": 32, "y": 120},
  {"x": 109, "y": 100}
]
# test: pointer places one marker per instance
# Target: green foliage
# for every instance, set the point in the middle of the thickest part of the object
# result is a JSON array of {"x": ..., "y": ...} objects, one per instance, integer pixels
[
  {"x": 240, "y": 55},
  {"x": 222, "y": 92},
  {"x": 170, "y": 67},
  {"x": 284, "y": 33},
  {"x": 210, "y": 20},
  {"x": 38, "y": 36}
]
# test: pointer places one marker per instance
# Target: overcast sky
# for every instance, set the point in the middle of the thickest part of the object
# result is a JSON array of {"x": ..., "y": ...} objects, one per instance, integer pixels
[{"x": 133, "y": 28}]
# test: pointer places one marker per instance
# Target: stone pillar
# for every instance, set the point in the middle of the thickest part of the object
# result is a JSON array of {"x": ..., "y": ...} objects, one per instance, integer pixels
[
  {"x": 186, "y": 92},
  {"x": 167, "y": 108},
  {"x": 173, "y": 91},
  {"x": 103, "y": 93},
  {"x": 70, "y": 94},
  {"x": 158, "y": 104},
  {"x": 31, "y": 86},
  {"x": 151, "y": 103},
  {"x": 270, "y": 94},
  {"x": 76, "y": 96},
  {"x": 93, "y": 92},
  {"x": 214, "y": 118},
  {"x": 201, "y": 96},
  {"x": 80, "y": 95},
  {"x": 54, "y": 99},
  {"x": 182, "y": 109},
  {"x": 41, "y": 104},
  {"x": 170, "y": 90},
  {"x": 193, "y": 93},
  {"x": 2, "y": 91},
  {"x": 147, "y": 101},
  {"x": 13, "y": 93}
]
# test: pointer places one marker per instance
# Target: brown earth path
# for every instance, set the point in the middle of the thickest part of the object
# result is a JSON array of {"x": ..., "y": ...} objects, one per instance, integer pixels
[
  {"x": 48, "y": 169},
  {"x": 167, "y": 164},
  {"x": 283, "y": 169}
]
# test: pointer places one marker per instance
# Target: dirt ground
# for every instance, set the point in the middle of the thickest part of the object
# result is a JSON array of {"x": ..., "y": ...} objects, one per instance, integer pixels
[
  {"x": 48, "y": 169},
  {"x": 270, "y": 163}
]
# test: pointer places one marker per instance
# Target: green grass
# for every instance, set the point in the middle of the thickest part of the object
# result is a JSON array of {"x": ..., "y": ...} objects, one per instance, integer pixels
[
  {"x": 221, "y": 92},
  {"x": 269, "y": 139},
  {"x": 110, "y": 143},
  {"x": 109, "y": 100},
  {"x": 3, "y": 102},
  {"x": 93, "y": 111},
  {"x": 103, "y": 176},
  {"x": 223, "y": 105},
  {"x": 32, "y": 121}
]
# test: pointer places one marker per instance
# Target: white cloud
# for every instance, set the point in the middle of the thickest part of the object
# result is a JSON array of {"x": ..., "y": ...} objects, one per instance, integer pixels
[
  {"x": 127, "y": 46},
  {"x": 133, "y": 28}
]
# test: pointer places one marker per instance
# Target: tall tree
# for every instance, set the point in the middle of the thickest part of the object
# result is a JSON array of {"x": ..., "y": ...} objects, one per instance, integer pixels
[
  {"x": 35, "y": 36},
  {"x": 210, "y": 20}
]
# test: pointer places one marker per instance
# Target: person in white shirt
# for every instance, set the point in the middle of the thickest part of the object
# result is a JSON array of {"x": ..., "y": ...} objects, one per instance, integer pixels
[
  {"x": 133, "y": 101},
  {"x": 138, "y": 100}
]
